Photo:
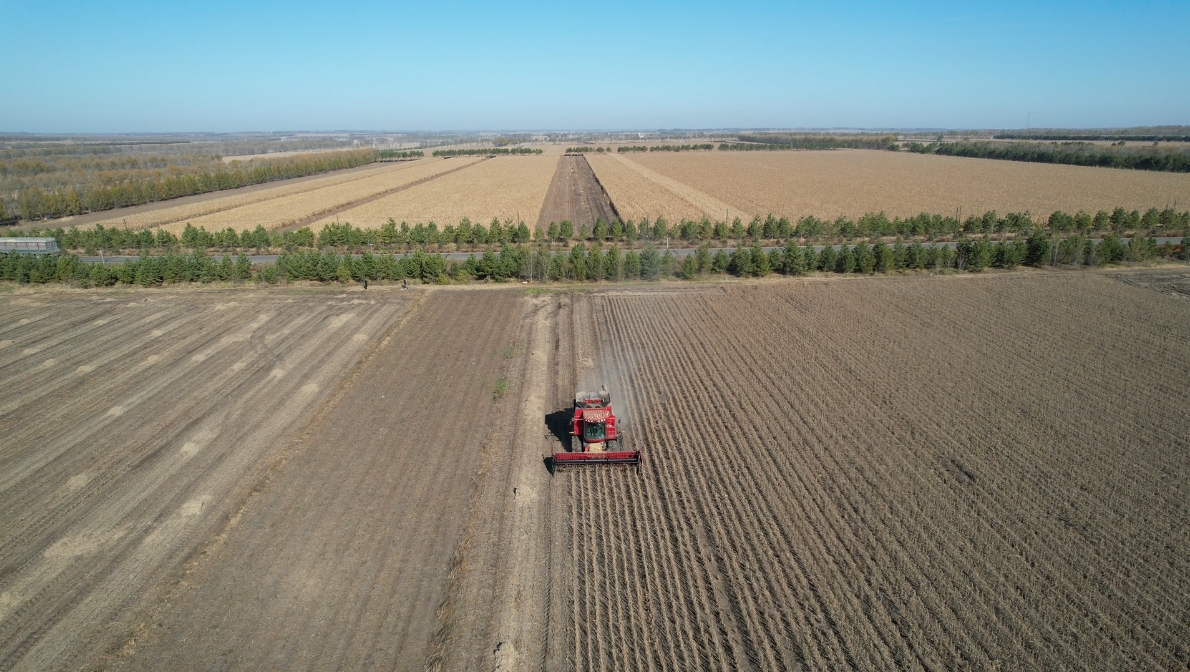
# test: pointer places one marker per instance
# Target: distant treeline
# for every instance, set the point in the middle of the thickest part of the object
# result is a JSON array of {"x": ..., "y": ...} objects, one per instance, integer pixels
[
  {"x": 812, "y": 141},
  {"x": 666, "y": 148},
  {"x": 1167, "y": 159},
  {"x": 1088, "y": 137},
  {"x": 400, "y": 154},
  {"x": 491, "y": 151},
  {"x": 34, "y": 203},
  {"x": 465, "y": 233},
  {"x": 585, "y": 149}
]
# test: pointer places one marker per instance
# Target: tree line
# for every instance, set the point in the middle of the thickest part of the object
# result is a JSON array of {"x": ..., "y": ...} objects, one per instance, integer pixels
[
  {"x": 35, "y": 203},
  {"x": 813, "y": 141},
  {"x": 594, "y": 264},
  {"x": 390, "y": 154},
  {"x": 1166, "y": 159},
  {"x": 703, "y": 147},
  {"x": 466, "y": 233},
  {"x": 491, "y": 151}
]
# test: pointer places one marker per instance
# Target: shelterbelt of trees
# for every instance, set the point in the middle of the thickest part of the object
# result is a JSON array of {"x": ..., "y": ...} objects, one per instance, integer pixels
[
  {"x": 593, "y": 264},
  {"x": 489, "y": 151},
  {"x": 35, "y": 204},
  {"x": 1168, "y": 159},
  {"x": 389, "y": 154},
  {"x": 769, "y": 230}
]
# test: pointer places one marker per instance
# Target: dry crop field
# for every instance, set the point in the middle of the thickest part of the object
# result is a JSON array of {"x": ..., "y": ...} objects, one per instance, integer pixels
[
  {"x": 504, "y": 187},
  {"x": 286, "y": 203},
  {"x": 917, "y": 472},
  {"x": 855, "y": 182}
]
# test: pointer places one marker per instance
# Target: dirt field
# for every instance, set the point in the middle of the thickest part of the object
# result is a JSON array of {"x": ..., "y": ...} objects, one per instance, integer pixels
[
  {"x": 575, "y": 195},
  {"x": 909, "y": 474},
  {"x": 506, "y": 187},
  {"x": 893, "y": 473},
  {"x": 854, "y": 182},
  {"x": 133, "y": 425}
]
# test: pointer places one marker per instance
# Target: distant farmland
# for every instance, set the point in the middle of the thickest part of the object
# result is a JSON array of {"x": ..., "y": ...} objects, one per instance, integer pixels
[
  {"x": 679, "y": 186},
  {"x": 855, "y": 182}
]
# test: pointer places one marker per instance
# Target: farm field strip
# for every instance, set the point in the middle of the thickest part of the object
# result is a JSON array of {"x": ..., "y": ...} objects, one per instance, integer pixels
[
  {"x": 504, "y": 187},
  {"x": 1118, "y": 464},
  {"x": 105, "y": 500},
  {"x": 639, "y": 192},
  {"x": 932, "y": 529},
  {"x": 215, "y": 202},
  {"x": 303, "y": 205},
  {"x": 854, "y": 182},
  {"x": 359, "y": 589}
]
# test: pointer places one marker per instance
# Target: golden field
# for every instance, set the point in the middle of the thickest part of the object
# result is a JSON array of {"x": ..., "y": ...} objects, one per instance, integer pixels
[
  {"x": 294, "y": 207},
  {"x": 854, "y": 182},
  {"x": 219, "y": 201},
  {"x": 505, "y": 187},
  {"x": 639, "y": 192}
]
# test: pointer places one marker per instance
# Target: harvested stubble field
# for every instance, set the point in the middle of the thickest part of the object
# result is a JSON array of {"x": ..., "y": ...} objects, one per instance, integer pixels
[
  {"x": 505, "y": 187},
  {"x": 855, "y": 182},
  {"x": 193, "y": 207},
  {"x": 305, "y": 205},
  {"x": 639, "y": 192},
  {"x": 923, "y": 472}
]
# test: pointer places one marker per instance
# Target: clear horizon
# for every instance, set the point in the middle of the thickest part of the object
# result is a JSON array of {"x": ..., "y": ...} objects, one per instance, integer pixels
[{"x": 222, "y": 67}]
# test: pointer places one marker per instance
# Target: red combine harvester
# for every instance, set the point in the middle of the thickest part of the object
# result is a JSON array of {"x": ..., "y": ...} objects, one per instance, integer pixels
[{"x": 594, "y": 436}]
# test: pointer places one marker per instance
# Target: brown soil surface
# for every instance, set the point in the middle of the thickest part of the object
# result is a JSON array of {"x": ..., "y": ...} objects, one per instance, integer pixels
[
  {"x": 344, "y": 559},
  {"x": 576, "y": 195},
  {"x": 134, "y": 425},
  {"x": 895, "y": 473},
  {"x": 922, "y": 473}
]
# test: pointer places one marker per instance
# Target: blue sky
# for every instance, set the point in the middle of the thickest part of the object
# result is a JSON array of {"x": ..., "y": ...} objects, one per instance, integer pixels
[{"x": 264, "y": 66}]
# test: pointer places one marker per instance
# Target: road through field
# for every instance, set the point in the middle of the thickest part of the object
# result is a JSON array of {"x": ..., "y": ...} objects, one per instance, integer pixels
[
  {"x": 343, "y": 560},
  {"x": 919, "y": 473},
  {"x": 133, "y": 425}
]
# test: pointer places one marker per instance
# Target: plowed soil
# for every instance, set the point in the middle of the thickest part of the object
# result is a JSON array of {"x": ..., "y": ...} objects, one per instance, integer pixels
[
  {"x": 576, "y": 195},
  {"x": 973, "y": 472},
  {"x": 984, "y": 473},
  {"x": 133, "y": 426}
]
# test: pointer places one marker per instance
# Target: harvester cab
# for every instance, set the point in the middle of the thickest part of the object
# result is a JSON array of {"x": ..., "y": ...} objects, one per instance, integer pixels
[{"x": 595, "y": 436}]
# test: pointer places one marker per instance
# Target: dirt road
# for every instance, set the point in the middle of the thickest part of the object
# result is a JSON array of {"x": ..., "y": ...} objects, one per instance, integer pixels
[{"x": 575, "y": 195}]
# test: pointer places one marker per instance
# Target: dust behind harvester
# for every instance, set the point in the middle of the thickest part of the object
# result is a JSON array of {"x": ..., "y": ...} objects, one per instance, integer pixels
[{"x": 595, "y": 436}]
